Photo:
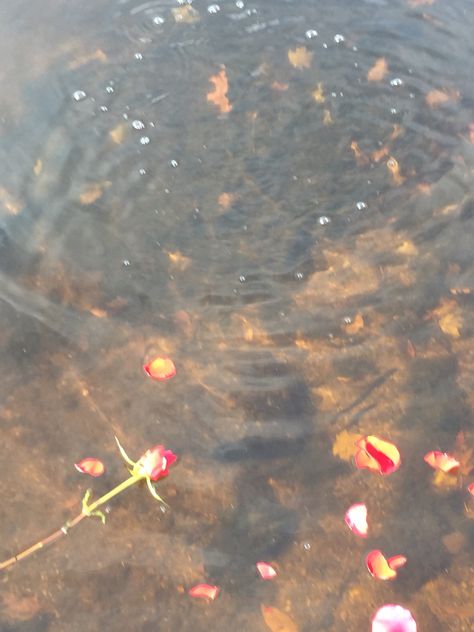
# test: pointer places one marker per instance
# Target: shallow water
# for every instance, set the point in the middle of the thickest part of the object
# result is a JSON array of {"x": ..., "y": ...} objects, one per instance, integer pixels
[{"x": 305, "y": 259}]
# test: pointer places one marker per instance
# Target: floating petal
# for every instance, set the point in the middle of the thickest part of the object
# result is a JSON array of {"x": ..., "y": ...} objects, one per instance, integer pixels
[
  {"x": 204, "y": 591},
  {"x": 441, "y": 461},
  {"x": 378, "y": 566},
  {"x": 393, "y": 618},
  {"x": 470, "y": 488},
  {"x": 266, "y": 571},
  {"x": 397, "y": 561},
  {"x": 378, "y": 455},
  {"x": 90, "y": 466},
  {"x": 356, "y": 519},
  {"x": 160, "y": 368}
]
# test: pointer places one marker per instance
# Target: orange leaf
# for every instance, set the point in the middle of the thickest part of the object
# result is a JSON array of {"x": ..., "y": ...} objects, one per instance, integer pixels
[
  {"x": 300, "y": 57},
  {"x": 218, "y": 96},
  {"x": 277, "y": 620},
  {"x": 378, "y": 70}
]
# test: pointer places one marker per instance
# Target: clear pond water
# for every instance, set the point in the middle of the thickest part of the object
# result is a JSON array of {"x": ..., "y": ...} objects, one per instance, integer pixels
[{"x": 297, "y": 235}]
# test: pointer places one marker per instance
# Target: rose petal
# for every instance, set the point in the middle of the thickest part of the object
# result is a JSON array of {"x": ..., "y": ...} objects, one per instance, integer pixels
[
  {"x": 393, "y": 618},
  {"x": 470, "y": 488},
  {"x": 378, "y": 455},
  {"x": 204, "y": 591},
  {"x": 90, "y": 466},
  {"x": 397, "y": 561},
  {"x": 356, "y": 519},
  {"x": 160, "y": 368},
  {"x": 266, "y": 571},
  {"x": 378, "y": 566},
  {"x": 441, "y": 461}
]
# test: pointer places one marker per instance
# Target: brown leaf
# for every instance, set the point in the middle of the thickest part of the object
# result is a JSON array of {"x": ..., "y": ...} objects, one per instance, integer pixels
[
  {"x": 378, "y": 154},
  {"x": 318, "y": 94},
  {"x": 407, "y": 248},
  {"x": 117, "y": 133},
  {"x": 225, "y": 200},
  {"x": 97, "y": 55},
  {"x": 218, "y": 96},
  {"x": 356, "y": 325},
  {"x": 178, "y": 260},
  {"x": 277, "y": 620},
  {"x": 344, "y": 445},
  {"x": 449, "y": 318},
  {"x": 186, "y": 14},
  {"x": 378, "y": 71},
  {"x": 361, "y": 158},
  {"x": 436, "y": 98},
  {"x": 94, "y": 192},
  {"x": 393, "y": 167},
  {"x": 327, "y": 117},
  {"x": 300, "y": 57}
]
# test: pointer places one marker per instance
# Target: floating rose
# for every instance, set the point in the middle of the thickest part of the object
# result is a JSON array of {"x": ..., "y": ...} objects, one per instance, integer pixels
[
  {"x": 266, "y": 571},
  {"x": 90, "y": 466},
  {"x": 381, "y": 568},
  {"x": 160, "y": 368},
  {"x": 393, "y": 618},
  {"x": 356, "y": 519},
  {"x": 441, "y": 461},
  {"x": 377, "y": 455},
  {"x": 155, "y": 462},
  {"x": 204, "y": 591}
]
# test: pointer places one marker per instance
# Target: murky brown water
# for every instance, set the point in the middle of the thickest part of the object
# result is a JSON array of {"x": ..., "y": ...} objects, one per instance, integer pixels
[{"x": 305, "y": 259}]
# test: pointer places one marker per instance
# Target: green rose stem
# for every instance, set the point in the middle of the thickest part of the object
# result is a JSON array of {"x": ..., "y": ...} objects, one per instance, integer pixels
[{"x": 87, "y": 511}]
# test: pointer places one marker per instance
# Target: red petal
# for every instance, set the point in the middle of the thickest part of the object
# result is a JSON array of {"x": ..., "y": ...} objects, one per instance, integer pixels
[
  {"x": 204, "y": 591},
  {"x": 90, "y": 466},
  {"x": 365, "y": 461},
  {"x": 385, "y": 453},
  {"x": 378, "y": 566},
  {"x": 393, "y": 618},
  {"x": 441, "y": 461},
  {"x": 160, "y": 368},
  {"x": 397, "y": 561},
  {"x": 470, "y": 488},
  {"x": 266, "y": 571},
  {"x": 356, "y": 519}
]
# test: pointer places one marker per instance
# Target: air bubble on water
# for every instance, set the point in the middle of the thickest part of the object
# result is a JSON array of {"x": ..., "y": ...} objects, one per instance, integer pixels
[
  {"x": 136, "y": 124},
  {"x": 310, "y": 33},
  {"x": 126, "y": 263},
  {"x": 306, "y": 546},
  {"x": 242, "y": 278},
  {"x": 396, "y": 81},
  {"x": 125, "y": 116},
  {"x": 213, "y": 8},
  {"x": 167, "y": 191},
  {"x": 162, "y": 508},
  {"x": 355, "y": 49},
  {"x": 325, "y": 45},
  {"x": 338, "y": 38},
  {"x": 174, "y": 163},
  {"x": 152, "y": 124},
  {"x": 412, "y": 96},
  {"x": 356, "y": 65},
  {"x": 145, "y": 140},
  {"x": 324, "y": 220},
  {"x": 391, "y": 163},
  {"x": 158, "y": 20},
  {"x": 239, "y": 4},
  {"x": 245, "y": 227},
  {"x": 109, "y": 89},
  {"x": 299, "y": 275},
  {"x": 142, "y": 172},
  {"x": 393, "y": 111},
  {"x": 138, "y": 56},
  {"x": 79, "y": 95},
  {"x": 360, "y": 206},
  {"x": 334, "y": 95}
]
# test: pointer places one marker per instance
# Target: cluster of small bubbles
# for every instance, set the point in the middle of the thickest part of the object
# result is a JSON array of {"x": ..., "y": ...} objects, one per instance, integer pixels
[
  {"x": 393, "y": 111},
  {"x": 142, "y": 171},
  {"x": 158, "y": 20},
  {"x": 299, "y": 275},
  {"x": 104, "y": 108},
  {"x": 126, "y": 262},
  {"x": 242, "y": 278},
  {"x": 360, "y": 206},
  {"x": 338, "y": 38},
  {"x": 396, "y": 81},
  {"x": 174, "y": 163},
  {"x": 145, "y": 140},
  {"x": 306, "y": 546},
  {"x": 109, "y": 89},
  {"x": 79, "y": 95},
  {"x": 391, "y": 163},
  {"x": 136, "y": 124},
  {"x": 310, "y": 33},
  {"x": 138, "y": 56},
  {"x": 324, "y": 220},
  {"x": 213, "y": 8},
  {"x": 347, "y": 320},
  {"x": 239, "y": 4}
]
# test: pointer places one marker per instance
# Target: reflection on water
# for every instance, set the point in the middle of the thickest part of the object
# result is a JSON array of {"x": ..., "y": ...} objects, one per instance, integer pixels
[{"x": 278, "y": 196}]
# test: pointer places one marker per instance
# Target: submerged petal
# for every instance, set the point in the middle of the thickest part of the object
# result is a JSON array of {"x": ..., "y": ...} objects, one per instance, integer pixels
[
  {"x": 90, "y": 466},
  {"x": 441, "y": 461},
  {"x": 204, "y": 591},
  {"x": 266, "y": 571},
  {"x": 393, "y": 618},
  {"x": 356, "y": 519},
  {"x": 470, "y": 488},
  {"x": 160, "y": 368}
]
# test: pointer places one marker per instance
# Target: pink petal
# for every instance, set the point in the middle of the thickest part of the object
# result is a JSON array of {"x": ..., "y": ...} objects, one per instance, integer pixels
[
  {"x": 266, "y": 571},
  {"x": 204, "y": 591},
  {"x": 90, "y": 466},
  {"x": 470, "y": 488},
  {"x": 397, "y": 561},
  {"x": 441, "y": 461},
  {"x": 160, "y": 368},
  {"x": 356, "y": 519},
  {"x": 378, "y": 567},
  {"x": 393, "y": 618}
]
